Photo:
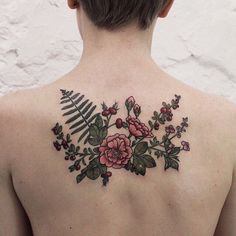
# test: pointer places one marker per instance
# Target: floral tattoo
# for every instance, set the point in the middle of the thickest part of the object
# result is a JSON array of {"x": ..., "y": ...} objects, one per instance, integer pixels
[{"x": 103, "y": 151}]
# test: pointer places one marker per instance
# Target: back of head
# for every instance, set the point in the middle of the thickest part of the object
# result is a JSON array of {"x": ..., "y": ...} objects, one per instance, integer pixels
[{"x": 114, "y": 14}]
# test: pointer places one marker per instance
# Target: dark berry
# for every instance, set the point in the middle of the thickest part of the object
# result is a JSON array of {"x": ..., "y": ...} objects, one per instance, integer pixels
[
  {"x": 57, "y": 146},
  {"x": 156, "y": 126},
  {"x": 108, "y": 174},
  {"x": 106, "y": 113},
  {"x": 72, "y": 158},
  {"x": 67, "y": 158},
  {"x": 163, "y": 110},
  {"x": 169, "y": 118},
  {"x": 112, "y": 111},
  {"x": 119, "y": 123},
  {"x": 77, "y": 167},
  {"x": 64, "y": 144}
]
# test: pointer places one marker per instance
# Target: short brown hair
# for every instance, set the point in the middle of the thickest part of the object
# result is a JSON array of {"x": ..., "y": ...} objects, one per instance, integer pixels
[{"x": 113, "y": 14}]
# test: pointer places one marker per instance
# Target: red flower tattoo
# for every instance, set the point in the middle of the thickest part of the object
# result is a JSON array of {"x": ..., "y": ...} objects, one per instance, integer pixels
[
  {"x": 138, "y": 129},
  {"x": 115, "y": 151}
]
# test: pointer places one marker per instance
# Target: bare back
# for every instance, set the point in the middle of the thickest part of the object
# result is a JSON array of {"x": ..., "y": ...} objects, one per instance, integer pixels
[{"x": 162, "y": 202}]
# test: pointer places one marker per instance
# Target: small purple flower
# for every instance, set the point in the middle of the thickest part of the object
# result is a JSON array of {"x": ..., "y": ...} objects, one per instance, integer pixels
[
  {"x": 185, "y": 145},
  {"x": 170, "y": 129}
]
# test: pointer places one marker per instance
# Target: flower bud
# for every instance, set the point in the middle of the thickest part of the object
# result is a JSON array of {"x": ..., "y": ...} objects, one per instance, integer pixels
[
  {"x": 119, "y": 123},
  {"x": 129, "y": 103},
  {"x": 137, "y": 110},
  {"x": 112, "y": 111}
]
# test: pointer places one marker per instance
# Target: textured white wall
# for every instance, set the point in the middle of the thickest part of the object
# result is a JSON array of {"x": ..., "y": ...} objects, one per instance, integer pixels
[{"x": 39, "y": 42}]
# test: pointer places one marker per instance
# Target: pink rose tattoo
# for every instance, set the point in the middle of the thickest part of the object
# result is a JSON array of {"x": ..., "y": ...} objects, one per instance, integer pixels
[
  {"x": 135, "y": 148},
  {"x": 138, "y": 129},
  {"x": 115, "y": 151}
]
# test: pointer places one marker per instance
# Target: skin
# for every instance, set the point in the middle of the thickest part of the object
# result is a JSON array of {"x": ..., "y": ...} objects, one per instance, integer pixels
[{"x": 36, "y": 189}]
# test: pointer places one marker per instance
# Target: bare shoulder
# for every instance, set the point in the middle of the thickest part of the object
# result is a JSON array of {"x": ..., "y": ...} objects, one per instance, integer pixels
[
  {"x": 13, "y": 218},
  {"x": 216, "y": 115},
  {"x": 21, "y": 112}
]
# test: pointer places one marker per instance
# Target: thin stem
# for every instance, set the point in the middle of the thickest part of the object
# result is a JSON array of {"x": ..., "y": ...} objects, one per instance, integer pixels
[
  {"x": 164, "y": 141},
  {"x": 156, "y": 149},
  {"x": 111, "y": 125},
  {"x": 108, "y": 121},
  {"x": 138, "y": 141}
]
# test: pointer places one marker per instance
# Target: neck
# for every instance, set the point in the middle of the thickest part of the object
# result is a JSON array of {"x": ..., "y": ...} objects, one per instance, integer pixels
[{"x": 115, "y": 49}]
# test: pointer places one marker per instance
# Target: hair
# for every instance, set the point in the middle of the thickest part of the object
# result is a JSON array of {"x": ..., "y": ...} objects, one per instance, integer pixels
[{"x": 114, "y": 14}]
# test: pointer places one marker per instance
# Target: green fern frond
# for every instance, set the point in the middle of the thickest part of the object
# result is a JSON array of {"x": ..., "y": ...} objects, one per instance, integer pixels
[{"x": 81, "y": 112}]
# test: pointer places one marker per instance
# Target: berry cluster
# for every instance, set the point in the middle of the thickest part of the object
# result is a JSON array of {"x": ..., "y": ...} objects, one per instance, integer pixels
[{"x": 108, "y": 111}]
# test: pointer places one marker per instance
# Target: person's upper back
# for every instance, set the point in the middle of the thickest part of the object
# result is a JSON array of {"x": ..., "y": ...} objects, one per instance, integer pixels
[{"x": 63, "y": 184}]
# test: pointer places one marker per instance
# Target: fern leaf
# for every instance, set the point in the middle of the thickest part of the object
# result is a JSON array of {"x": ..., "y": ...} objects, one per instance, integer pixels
[
  {"x": 81, "y": 106},
  {"x": 83, "y": 126},
  {"x": 73, "y": 103},
  {"x": 73, "y": 118},
  {"x": 85, "y": 110},
  {"x": 70, "y": 112},
  {"x": 75, "y": 96},
  {"x": 90, "y": 112},
  {"x": 86, "y": 117},
  {"x": 82, "y": 111},
  {"x": 79, "y": 129},
  {"x": 65, "y": 101},
  {"x": 83, "y": 135}
]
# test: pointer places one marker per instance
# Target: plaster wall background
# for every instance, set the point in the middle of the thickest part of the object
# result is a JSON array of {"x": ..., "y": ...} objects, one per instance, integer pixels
[{"x": 39, "y": 42}]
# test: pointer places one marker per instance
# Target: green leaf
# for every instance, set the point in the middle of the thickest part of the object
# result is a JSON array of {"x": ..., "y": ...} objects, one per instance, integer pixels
[
  {"x": 99, "y": 121},
  {"x": 103, "y": 133},
  {"x": 167, "y": 143},
  {"x": 80, "y": 177},
  {"x": 175, "y": 151},
  {"x": 103, "y": 169},
  {"x": 140, "y": 148},
  {"x": 150, "y": 124},
  {"x": 72, "y": 168},
  {"x": 96, "y": 150},
  {"x": 94, "y": 141},
  {"x": 94, "y": 131},
  {"x": 148, "y": 161},
  {"x": 139, "y": 166},
  {"x": 93, "y": 173},
  {"x": 171, "y": 163},
  {"x": 174, "y": 164}
]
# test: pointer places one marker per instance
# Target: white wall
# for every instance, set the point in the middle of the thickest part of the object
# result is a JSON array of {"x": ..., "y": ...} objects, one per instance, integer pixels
[{"x": 39, "y": 42}]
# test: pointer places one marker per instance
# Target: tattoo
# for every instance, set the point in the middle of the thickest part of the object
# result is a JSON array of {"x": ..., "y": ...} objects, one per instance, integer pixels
[{"x": 103, "y": 152}]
